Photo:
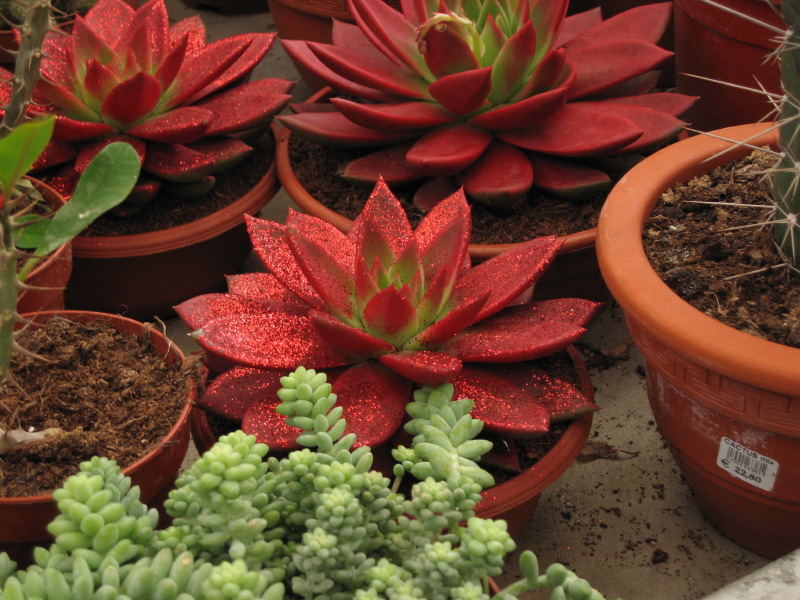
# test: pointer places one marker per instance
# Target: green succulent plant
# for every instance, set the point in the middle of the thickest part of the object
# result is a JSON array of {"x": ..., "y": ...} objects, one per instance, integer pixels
[{"x": 315, "y": 523}]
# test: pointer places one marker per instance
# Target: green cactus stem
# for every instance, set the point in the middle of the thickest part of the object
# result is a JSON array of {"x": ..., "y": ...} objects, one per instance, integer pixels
[{"x": 786, "y": 181}]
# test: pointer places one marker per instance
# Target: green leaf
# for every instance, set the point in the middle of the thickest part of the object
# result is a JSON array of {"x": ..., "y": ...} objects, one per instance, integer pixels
[
  {"x": 32, "y": 233},
  {"x": 20, "y": 149},
  {"x": 105, "y": 183}
]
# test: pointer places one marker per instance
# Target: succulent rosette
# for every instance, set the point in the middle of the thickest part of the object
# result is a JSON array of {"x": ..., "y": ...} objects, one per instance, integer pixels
[
  {"x": 391, "y": 307},
  {"x": 497, "y": 96},
  {"x": 128, "y": 75}
]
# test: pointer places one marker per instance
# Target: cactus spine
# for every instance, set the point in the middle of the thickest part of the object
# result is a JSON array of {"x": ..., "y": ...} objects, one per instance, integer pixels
[{"x": 786, "y": 179}]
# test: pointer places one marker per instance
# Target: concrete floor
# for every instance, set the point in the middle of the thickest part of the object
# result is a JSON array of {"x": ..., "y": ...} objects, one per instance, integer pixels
[{"x": 628, "y": 524}]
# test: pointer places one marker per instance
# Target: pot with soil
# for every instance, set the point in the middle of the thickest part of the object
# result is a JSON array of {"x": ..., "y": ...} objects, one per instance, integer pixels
[
  {"x": 104, "y": 385},
  {"x": 726, "y": 401},
  {"x": 48, "y": 279}
]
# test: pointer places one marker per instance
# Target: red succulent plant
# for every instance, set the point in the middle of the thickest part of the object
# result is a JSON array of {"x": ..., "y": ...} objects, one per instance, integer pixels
[
  {"x": 496, "y": 96},
  {"x": 128, "y": 75},
  {"x": 394, "y": 307}
]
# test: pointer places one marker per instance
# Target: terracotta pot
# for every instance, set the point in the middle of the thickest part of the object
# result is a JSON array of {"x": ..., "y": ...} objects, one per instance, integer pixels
[
  {"x": 25, "y": 519},
  {"x": 723, "y": 399},
  {"x": 146, "y": 274},
  {"x": 574, "y": 273},
  {"x": 712, "y": 43},
  {"x": 49, "y": 278},
  {"x": 514, "y": 500}
]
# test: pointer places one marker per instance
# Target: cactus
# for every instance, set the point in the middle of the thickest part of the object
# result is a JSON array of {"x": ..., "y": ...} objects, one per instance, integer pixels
[{"x": 786, "y": 175}]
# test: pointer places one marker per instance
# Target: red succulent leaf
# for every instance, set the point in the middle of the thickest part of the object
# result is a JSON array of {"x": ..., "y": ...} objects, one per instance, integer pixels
[
  {"x": 433, "y": 191},
  {"x": 463, "y": 93},
  {"x": 382, "y": 229},
  {"x": 422, "y": 367},
  {"x": 269, "y": 427},
  {"x": 347, "y": 338},
  {"x": 172, "y": 63},
  {"x": 524, "y": 332},
  {"x": 501, "y": 177},
  {"x": 98, "y": 82},
  {"x": 502, "y": 406},
  {"x": 261, "y": 285},
  {"x": 525, "y": 113},
  {"x": 257, "y": 49},
  {"x": 70, "y": 130},
  {"x": 659, "y": 127},
  {"x": 455, "y": 321},
  {"x": 389, "y": 315},
  {"x": 668, "y": 102},
  {"x": 513, "y": 64},
  {"x": 445, "y": 50},
  {"x": 647, "y": 22},
  {"x": 181, "y": 125},
  {"x": 576, "y": 24},
  {"x": 365, "y": 282},
  {"x": 562, "y": 399},
  {"x": 333, "y": 128},
  {"x": 192, "y": 27},
  {"x": 332, "y": 278},
  {"x": 600, "y": 133},
  {"x": 201, "y": 69},
  {"x": 388, "y": 30},
  {"x": 395, "y": 115},
  {"x": 279, "y": 339},
  {"x": 232, "y": 393},
  {"x": 90, "y": 43},
  {"x": 567, "y": 178},
  {"x": 56, "y": 153},
  {"x": 106, "y": 17},
  {"x": 387, "y": 163},
  {"x": 598, "y": 67},
  {"x": 552, "y": 72},
  {"x": 133, "y": 99},
  {"x": 270, "y": 244},
  {"x": 68, "y": 102},
  {"x": 365, "y": 71},
  {"x": 198, "y": 311},
  {"x": 177, "y": 163},
  {"x": 548, "y": 18},
  {"x": 301, "y": 54},
  {"x": 86, "y": 153},
  {"x": 245, "y": 107},
  {"x": 448, "y": 150},
  {"x": 508, "y": 274},
  {"x": 349, "y": 35},
  {"x": 227, "y": 151}
]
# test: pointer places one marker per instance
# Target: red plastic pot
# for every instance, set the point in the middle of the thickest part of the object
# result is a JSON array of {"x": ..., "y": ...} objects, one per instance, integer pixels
[
  {"x": 574, "y": 273},
  {"x": 49, "y": 278},
  {"x": 24, "y": 519},
  {"x": 145, "y": 275},
  {"x": 514, "y": 500},
  {"x": 714, "y": 44},
  {"x": 726, "y": 402}
]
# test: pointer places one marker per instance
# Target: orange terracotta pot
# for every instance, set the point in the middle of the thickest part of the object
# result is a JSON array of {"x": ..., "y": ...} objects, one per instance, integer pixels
[
  {"x": 717, "y": 45},
  {"x": 25, "y": 519},
  {"x": 49, "y": 278},
  {"x": 145, "y": 275},
  {"x": 727, "y": 403},
  {"x": 514, "y": 500},
  {"x": 574, "y": 273}
]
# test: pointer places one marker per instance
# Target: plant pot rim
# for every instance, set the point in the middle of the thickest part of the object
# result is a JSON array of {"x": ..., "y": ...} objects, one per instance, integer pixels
[
  {"x": 89, "y": 316},
  {"x": 305, "y": 201},
  {"x": 641, "y": 292},
  {"x": 188, "y": 234}
]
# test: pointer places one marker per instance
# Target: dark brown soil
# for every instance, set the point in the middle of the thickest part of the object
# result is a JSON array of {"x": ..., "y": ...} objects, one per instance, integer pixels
[
  {"x": 712, "y": 256},
  {"x": 316, "y": 167},
  {"x": 169, "y": 210},
  {"x": 109, "y": 392}
]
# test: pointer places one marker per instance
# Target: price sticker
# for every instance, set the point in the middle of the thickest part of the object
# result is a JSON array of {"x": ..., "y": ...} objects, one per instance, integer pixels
[{"x": 746, "y": 464}]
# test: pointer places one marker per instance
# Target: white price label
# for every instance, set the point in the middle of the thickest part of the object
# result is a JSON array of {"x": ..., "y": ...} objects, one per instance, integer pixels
[{"x": 746, "y": 464}]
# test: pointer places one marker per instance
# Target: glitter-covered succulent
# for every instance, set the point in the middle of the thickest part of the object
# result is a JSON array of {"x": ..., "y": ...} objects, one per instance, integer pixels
[
  {"x": 496, "y": 96},
  {"x": 395, "y": 306},
  {"x": 127, "y": 75}
]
